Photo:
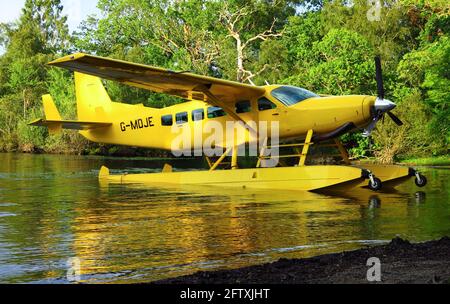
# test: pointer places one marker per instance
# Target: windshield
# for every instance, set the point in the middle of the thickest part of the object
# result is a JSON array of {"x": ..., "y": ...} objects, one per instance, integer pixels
[{"x": 290, "y": 96}]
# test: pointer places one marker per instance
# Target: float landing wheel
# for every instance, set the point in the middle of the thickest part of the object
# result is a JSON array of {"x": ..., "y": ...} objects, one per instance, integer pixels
[
  {"x": 421, "y": 181},
  {"x": 375, "y": 183}
]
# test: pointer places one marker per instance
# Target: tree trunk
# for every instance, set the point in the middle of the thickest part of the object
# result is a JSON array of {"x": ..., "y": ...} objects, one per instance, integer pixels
[
  {"x": 240, "y": 60},
  {"x": 24, "y": 103}
]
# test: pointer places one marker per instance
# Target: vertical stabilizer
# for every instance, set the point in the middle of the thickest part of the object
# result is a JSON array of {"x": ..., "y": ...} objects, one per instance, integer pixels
[
  {"x": 51, "y": 113},
  {"x": 93, "y": 102}
]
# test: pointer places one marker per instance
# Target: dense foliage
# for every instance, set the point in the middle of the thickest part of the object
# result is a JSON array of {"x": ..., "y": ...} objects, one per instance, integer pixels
[{"x": 324, "y": 46}]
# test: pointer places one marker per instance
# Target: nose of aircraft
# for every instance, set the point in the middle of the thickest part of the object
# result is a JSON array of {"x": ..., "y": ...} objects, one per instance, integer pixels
[{"x": 384, "y": 105}]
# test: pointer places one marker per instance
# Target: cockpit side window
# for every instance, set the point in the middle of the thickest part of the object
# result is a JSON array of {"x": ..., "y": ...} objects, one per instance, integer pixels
[
  {"x": 265, "y": 104},
  {"x": 290, "y": 96}
]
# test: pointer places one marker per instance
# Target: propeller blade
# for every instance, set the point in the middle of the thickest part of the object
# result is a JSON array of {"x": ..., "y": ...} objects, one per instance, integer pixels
[
  {"x": 397, "y": 120},
  {"x": 380, "y": 82}
]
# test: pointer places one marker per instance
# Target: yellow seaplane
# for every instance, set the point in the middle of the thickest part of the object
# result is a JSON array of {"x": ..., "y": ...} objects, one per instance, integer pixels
[{"x": 294, "y": 118}]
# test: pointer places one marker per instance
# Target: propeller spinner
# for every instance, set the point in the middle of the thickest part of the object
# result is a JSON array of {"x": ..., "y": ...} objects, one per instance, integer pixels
[{"x": 382, "y": 106}]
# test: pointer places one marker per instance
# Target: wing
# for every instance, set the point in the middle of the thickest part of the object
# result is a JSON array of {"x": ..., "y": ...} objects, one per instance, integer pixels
[{"x": 181, "y": 84}]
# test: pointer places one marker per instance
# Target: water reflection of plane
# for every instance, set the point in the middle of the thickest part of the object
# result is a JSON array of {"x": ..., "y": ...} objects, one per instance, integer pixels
[
  {"x": 359, "y": 195},
  {"x": 387, "y": 195},
  {"x": 148, "y": 229},
  {"x": 157, "y": 231}
]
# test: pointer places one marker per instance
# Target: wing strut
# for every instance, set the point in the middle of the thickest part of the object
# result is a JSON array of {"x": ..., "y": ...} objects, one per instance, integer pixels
[{"x": 216, "y": 101}]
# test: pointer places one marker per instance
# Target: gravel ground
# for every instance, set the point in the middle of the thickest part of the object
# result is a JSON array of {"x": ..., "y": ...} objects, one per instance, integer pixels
[{"x": 401, "y": 263}]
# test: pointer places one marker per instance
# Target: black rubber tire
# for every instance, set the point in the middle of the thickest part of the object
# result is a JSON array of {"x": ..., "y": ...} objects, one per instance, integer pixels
[
  {"x": 377, "y": 185},
  {"x": 423, "y": 181}
]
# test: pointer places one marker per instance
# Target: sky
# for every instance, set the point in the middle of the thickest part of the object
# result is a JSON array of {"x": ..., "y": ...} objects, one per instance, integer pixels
[{"x": 76, "y": 10}]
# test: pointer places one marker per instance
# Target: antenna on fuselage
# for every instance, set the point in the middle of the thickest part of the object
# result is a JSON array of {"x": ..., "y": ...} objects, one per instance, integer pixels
[{"x": 267, "y": 83}]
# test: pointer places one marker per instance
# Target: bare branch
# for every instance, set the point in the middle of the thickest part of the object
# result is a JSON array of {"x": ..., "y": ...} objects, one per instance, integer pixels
[
  {"x": 231, "y": 19},
  {"x": 264, "y": 36},
  {"x": 253, "y": 75}
]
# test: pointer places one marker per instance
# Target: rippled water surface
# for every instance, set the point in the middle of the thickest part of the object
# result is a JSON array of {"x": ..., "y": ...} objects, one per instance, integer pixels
[{"x": 52, "y": 209}]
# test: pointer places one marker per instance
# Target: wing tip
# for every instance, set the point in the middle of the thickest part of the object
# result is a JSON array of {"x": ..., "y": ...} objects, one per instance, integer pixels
[
  {"x": 36, "y": 123},
  {"x": 67, "y": 58}
]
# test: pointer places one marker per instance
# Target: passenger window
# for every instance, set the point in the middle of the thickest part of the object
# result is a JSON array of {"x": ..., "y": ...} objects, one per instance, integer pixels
[
  {"x": 216, "y": 112},
  {"x": 167, "y": 120},
  {"x": 198, "y": 115},
  {"x": 243, "y": 107},
  {"x": 265, "y": 104},
  {"x": 182, "y": 118}
]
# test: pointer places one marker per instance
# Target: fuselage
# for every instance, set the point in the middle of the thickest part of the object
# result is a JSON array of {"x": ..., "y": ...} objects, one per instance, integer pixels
[{"x": 295, "y": 111}]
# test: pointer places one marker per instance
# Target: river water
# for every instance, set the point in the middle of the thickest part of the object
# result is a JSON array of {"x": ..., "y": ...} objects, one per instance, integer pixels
[{"x": 53, "y": 209}]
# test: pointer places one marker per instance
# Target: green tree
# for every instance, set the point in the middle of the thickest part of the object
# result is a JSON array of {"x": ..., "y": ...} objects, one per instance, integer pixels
[
  {"x": 250, "y": 24},
  {"x": 47, "y": 16},
  {"x": 324, "y": 46},
  {"x": 343, "y": 64},
  {"x": 35, "y": 39}
]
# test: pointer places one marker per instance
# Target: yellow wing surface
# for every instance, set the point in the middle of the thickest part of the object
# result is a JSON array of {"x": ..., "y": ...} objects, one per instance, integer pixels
[{"x": 181, "y": 84}]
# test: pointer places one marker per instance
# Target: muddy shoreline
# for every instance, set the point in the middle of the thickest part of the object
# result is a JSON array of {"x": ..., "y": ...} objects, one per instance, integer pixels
[{"x": 401, "y": 263}]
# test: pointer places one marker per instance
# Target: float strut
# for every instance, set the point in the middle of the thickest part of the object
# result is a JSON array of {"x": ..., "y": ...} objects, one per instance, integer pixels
[
  {"x": 220, "y": 160},
  {"x": 308, "y": 142},
  {"x": 262, "y": 153},
  {"x": 343, "y": 151},
  {"x": 234, "y": 158}
]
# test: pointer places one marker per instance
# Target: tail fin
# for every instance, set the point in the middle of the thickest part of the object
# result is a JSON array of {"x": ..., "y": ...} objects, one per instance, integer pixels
[
  {"x": 50, "y": 110},
  {"x": 93, "y": 102},
  {"x": 55, "y": 124}
]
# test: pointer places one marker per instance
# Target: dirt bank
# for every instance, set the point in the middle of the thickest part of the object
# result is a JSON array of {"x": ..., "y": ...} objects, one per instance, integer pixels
[{"x": 402, "y": 262}]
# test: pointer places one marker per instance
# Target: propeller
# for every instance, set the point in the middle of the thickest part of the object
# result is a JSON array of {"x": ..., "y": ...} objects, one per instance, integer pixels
[
  {"x": 395, "y": 118},
  {"x": 382, "y": 105},
  {"x": 380, "y": 82}
]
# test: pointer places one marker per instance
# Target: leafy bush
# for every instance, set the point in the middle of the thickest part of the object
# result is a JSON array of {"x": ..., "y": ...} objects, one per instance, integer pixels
[{"x": 413, "y": 139}]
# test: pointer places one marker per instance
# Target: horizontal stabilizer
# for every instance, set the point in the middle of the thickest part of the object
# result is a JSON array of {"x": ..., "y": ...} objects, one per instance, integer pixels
[{"x": 70, "y": 124}]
